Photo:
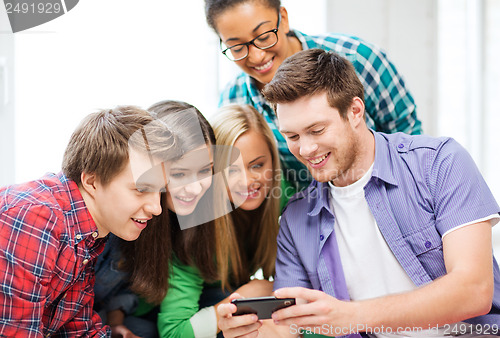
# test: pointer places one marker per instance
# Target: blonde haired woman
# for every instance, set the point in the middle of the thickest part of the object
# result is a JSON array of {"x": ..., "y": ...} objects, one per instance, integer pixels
[{"x": 257, "y": 193}]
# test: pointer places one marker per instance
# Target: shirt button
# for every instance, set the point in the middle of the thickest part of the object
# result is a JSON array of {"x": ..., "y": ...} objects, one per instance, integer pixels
[
  {"x": 321, "y": 237},
  {"x": 78, "y": 237},
  {"x": 428, "y": 244},
  {"x": 401, "y": 145},
  {"x": 95, "y": 234},
  {"x": 85, "y": 261}
]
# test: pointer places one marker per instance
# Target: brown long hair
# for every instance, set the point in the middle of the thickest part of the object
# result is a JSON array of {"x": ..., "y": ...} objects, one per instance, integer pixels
[
  {"x": 256, "y": 230},
  {"x": 205, "y": 246}
]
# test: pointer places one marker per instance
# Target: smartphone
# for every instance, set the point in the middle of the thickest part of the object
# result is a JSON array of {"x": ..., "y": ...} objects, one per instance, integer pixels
[{"x": 263, "y": 307}]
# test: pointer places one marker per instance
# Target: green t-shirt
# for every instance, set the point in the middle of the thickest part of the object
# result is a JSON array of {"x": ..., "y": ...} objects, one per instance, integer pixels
[{"x": 180, "y": 303}]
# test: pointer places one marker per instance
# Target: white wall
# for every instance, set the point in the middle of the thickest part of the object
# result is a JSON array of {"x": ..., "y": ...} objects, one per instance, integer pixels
[
  {"x": 407, "y": 31},
  {"x": 7, "y": 154},
  {"x": 102, "y": 54}
]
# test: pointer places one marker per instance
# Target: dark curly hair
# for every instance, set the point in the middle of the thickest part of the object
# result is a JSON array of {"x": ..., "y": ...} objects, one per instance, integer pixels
[{"x": 213, "y": 8}]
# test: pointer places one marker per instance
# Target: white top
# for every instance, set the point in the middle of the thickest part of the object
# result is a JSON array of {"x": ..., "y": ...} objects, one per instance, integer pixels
[{"x": 204, "y": 323}]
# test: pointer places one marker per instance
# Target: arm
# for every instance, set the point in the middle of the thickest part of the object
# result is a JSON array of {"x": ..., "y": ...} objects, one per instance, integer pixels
[
  {"x": 289, "y": 271},
  {"x": 465, "y": 291},
  {"x": 115, "y": 321},
  {"x": 29, "y": 281},
  {"x": 179, "y": 313},
  {"x": 181, "y": 301},
  {"x": 112, "y": 294}
]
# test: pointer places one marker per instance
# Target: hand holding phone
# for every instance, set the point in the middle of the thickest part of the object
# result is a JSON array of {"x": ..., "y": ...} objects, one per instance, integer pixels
[{"x": 263, "y": 307}]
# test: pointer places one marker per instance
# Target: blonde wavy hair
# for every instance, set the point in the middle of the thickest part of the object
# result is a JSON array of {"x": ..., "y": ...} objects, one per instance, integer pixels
[{"x": 229, "y": 124}]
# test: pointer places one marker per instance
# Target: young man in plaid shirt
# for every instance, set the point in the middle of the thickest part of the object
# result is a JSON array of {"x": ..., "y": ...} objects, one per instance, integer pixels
[{"x": 53, "y": 229}]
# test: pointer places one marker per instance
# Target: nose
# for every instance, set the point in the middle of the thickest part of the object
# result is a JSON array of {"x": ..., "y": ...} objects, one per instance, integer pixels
[
  {"x": 238, "y": 181},
  {"x": 251, "y": 176},
  {"x": 153, "y": 204},
  {"x": 255, "y": 55},
  {"x": 307, "y": 147},
  {"x": 193, "y": 188}
]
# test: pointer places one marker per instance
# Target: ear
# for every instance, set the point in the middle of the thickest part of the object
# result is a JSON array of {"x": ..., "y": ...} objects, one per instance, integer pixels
[
  {"x": 357, "y": 112},
  {"x": 89, "y": 183},
  {"x": 284, "y": 20}
]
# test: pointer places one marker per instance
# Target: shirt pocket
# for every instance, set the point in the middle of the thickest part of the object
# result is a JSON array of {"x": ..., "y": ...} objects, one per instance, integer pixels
[{"x": 427, "y": 246}]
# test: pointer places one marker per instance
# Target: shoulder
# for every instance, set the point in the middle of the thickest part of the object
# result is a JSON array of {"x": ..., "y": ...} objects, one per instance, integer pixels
[
  {"x": 181, "y": 271},
  {"x": 32, "y": 205},
  {"x": 302, "y": 201},
  {"x": 36, "y": 195},
  {"x": 235, "y": 91},
  {"x": 343, "y": 44},
  {"x": 405, "y": 143},
  {"x": 423, "y": 153}
]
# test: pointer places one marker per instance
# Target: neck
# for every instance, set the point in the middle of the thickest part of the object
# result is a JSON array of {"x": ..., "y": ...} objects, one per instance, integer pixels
[
  {"x": 365, "y": 156},
  {"x": 90, "y": 204},
  {"x": 295, "y": 45}
]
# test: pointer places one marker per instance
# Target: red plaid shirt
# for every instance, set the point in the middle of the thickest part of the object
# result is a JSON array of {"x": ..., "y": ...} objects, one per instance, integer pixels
[{"x": 48, "y": 249}]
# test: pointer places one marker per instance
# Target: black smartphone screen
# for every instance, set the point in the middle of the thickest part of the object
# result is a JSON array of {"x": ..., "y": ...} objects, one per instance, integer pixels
[{"x": 263, "y": 307}]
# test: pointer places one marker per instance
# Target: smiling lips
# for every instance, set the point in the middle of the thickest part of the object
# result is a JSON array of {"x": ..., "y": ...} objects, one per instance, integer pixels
[
  {"x": 265, "y": 67},
  {"x": 141, "y": 223},
  {"x": 249, "y": 194},
  {"x": 185, "y": 199},
  {"x": 317, "y": 161}
]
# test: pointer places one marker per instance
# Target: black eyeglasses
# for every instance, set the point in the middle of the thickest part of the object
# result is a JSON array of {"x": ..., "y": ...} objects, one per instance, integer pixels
[{"x": 263, "y": 41}]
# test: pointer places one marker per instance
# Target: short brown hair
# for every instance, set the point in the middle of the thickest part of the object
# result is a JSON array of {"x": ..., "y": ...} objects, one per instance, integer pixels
[
  {"x": 100, "y": 144},
  {"x": 311, "y": 72}
]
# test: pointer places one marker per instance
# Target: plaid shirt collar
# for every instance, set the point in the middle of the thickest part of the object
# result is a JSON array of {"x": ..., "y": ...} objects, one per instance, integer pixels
[{"x": 74, "y": 208}]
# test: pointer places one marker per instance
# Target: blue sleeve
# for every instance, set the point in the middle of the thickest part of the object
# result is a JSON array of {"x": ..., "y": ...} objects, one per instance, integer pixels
[
  {"x": 461, "y": 195},
  {"x": 289, "y": 269}
]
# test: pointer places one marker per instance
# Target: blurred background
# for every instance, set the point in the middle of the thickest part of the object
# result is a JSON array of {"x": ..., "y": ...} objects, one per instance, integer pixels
[{"x": 105, "y": 53}]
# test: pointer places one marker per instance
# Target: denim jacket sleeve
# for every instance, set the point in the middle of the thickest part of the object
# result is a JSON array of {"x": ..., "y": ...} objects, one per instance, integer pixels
[{"x": 111, "y": 285}]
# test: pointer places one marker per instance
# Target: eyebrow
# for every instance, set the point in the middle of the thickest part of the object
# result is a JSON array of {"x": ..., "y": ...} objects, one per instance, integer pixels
[
  {"x": 148, "y": 186},
  {"x": 305, "y": 128},
  {"x": 253, "y": 31},
  {"x": 256, "y": 159},
  {"x": 211, "y": 164}
]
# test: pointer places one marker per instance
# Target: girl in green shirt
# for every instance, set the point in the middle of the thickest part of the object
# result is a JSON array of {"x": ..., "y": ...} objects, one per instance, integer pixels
[{"x": 195, "y": 253}]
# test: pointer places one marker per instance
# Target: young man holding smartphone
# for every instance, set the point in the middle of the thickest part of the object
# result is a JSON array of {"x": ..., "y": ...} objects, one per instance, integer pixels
[{"x": 392, "y": 238}]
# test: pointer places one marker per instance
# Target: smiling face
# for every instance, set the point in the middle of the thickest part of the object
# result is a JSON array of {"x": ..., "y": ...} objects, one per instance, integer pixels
[
  {"x": 327, "y": 144},
  {"x": 250, "y": 179},
  {"x": 121, "y": 206},
  {"x": 189, "y": 179},
  {"x": 244, "y": 22}
]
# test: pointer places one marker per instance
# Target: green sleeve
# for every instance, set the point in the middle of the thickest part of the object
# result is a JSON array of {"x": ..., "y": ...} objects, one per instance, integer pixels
[
  {"x": 181, "y": 301},
  {"x": 288, "y": 190}
]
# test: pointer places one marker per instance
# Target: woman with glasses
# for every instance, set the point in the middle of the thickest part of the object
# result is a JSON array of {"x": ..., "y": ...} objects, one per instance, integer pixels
[{"x": 256, "y": 35}]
